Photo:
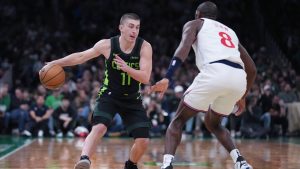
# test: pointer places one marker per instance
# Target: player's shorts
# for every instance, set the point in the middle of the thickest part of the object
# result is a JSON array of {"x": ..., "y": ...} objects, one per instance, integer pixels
[
  {"x": 218, "y": 86},
  {"x": 133, "y": 114}
]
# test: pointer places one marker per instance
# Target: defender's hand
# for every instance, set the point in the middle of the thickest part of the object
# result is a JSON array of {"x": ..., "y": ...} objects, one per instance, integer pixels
[
  {"x": 121, "y": 63},
  {"x": 160, "y": 87},
  {"x": 241, "y": 106}
]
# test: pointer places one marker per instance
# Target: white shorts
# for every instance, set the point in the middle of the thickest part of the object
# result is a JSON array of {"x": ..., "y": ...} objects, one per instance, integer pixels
[{"x": 217, "y": 86}]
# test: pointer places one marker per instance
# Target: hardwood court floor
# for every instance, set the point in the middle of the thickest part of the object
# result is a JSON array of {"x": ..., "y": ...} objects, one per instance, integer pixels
[{"x": 192, "y": 154}]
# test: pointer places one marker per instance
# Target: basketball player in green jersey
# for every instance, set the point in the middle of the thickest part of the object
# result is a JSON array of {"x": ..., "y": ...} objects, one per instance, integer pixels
[{"x": 128, "y": 63}]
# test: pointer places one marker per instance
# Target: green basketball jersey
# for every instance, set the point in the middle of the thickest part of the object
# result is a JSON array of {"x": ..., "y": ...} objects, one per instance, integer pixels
[{"x": 116, "y": 82}]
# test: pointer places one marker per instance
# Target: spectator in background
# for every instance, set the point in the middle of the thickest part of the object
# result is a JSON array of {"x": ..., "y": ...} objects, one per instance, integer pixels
[
  {"x": 82, "y": 106},
  {"x": 287, "y": 94},
  {"x": 64, "y": 119},
  {"x": 5, "y": 99},
  {"x": 27, "y": 97},
  {"x": 41, "y": 90},
  {"x": 19, "y": 113},
  {"x": 53, "y": 101},
  {"x": 278, "y": 117},
  {"x": 265, "y": 100},
  {"x": 5, "y": 102},
  {"x": 39, "y": 117},
  {"x": 66, "y": 92},
  {"x": 17, "y": 98},
  {"x": 5, "y": 73},
  {"x": 86, "y": 82},
  {"x": 157, "y": 117},
  {"x": 255, "y": 123}
]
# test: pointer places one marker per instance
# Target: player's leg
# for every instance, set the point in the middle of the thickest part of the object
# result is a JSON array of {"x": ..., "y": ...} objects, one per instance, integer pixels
[
  {"x": 141, "y": 142},
  {"x": 139, "y": 147},
  {"x": 196, "y": 99},
  {"x": 213, "y": 124},
  {"x": 93, "y": 138},
  {"x": 137, "y": 124},
  {"x": 103, "y": 113},
  {"x": 90, "y": 145},
  {"x": 174, "y": 132}
]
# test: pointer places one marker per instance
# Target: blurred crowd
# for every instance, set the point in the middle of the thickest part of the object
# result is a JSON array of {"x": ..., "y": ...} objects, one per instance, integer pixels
[{"x": 35, "y": 32}]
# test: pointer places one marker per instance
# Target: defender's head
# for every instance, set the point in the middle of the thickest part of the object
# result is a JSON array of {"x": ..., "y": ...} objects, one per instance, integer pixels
[
  {"x": 130, "y": 26},
  {"x": 207, "y": 10}
]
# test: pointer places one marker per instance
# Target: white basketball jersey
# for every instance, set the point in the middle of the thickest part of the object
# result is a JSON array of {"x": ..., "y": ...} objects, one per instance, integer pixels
[{"x": 215, "y": 41}]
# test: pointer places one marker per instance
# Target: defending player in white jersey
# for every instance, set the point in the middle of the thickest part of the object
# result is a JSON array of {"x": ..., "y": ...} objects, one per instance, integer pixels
[{"x": 227, "y": 73}]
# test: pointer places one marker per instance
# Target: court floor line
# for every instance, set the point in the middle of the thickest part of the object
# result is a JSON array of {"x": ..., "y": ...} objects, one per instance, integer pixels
[{"x": 27, "y": 143}]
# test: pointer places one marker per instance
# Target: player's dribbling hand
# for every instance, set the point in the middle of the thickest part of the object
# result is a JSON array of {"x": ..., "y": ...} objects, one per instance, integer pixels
[
  {"x": 50, "y": 63},
  {"x": 241, "y": 106},
  {"x": 160, "y": 87},
  {"x": 121, "y": 63}
]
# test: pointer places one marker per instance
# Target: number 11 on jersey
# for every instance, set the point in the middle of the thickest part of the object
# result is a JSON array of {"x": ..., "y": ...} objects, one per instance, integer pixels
[{"x": 124, "y": 75}]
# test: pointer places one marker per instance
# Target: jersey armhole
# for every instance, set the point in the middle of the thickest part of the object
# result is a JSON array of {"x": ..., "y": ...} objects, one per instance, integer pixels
[
  {"x": 200, "y": 27},
  {"x": 140, "y": 42},
  {"x": 112, "y": 44}
]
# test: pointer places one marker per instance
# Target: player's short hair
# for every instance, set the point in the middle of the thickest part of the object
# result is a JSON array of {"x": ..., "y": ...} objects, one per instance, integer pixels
[
  {"x": 208, "y": 9},
  {"x": 129, "y": 16}
]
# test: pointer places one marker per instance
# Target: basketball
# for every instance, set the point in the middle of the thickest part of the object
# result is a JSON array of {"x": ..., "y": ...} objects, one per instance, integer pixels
[{"x": 52, "y": 76}]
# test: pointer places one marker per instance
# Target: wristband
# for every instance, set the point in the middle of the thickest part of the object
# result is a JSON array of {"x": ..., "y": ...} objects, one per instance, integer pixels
[{"x": 175, "y": 63}]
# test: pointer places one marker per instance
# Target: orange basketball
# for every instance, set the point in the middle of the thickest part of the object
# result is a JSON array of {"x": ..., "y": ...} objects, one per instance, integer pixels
[{"x": 52, "y": 76}]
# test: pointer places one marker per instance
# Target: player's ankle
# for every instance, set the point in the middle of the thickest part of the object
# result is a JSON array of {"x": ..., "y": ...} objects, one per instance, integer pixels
[
  {"x": 235, "y": 155},
  {"x": 130, "y": 165},
  {"x": 168, "y": 158},
  {"x": 130, "y": 162}
]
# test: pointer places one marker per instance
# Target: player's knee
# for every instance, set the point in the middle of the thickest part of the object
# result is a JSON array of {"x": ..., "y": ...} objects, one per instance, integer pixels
[
  {"x": 176, "y": 124},
  {"x": 142, "y": 142},
  {"x": 99, "y": 129},
  {"x": 208, "y": 125},
  {"x": 212, "y": 126},
  {"x": 142, "y": 132}
]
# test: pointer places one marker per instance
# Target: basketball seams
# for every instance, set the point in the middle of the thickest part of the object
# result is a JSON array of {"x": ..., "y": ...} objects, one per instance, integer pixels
[
  {"x": 53, "y": 77},
  {"x": 47, "y": 72},
  {"x": 58, "y": 84}
]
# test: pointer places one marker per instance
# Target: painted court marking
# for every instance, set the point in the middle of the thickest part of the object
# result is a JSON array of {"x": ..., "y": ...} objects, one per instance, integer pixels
[
  {"x": 26, "y": 143},
  {"x": 197, "y": 164}
]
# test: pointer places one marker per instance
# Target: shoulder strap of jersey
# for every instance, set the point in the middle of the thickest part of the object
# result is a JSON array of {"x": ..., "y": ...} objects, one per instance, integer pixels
[
  {"x": 138, "y": 46},
  {"x": 114, "y": 42}
]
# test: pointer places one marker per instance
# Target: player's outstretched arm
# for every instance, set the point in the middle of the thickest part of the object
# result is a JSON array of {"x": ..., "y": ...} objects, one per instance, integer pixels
[
  {"x": 189, "y": 35},
  {"x": 143, "y": 74},
  {"x": 81, "y": 57}
]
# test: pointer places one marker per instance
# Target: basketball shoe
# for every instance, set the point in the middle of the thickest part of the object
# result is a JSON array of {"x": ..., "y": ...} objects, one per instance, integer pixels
[
  {"x": 242, "y": 164},
  {"x": 83, "y": 163},
  {"x": 130, "y": 165},
  {"x": 167, "y": 167}
]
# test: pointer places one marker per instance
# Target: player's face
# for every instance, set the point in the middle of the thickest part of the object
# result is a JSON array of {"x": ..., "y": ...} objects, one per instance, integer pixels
[{"x": 130, "y": 29}]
